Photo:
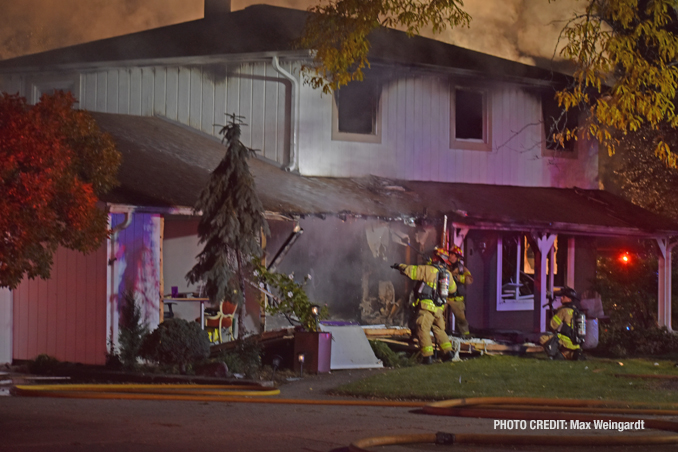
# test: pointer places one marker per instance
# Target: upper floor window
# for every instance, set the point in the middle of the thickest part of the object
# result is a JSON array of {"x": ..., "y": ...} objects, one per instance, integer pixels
[
  {"x": 470, "y": 128},
  {"x": 356, "y": 112},
  {"x": 556, "y": 121}
]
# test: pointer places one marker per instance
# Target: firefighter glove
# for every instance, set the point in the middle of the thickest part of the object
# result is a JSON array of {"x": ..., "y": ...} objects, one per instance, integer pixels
[{"x": 396, "y": 266}]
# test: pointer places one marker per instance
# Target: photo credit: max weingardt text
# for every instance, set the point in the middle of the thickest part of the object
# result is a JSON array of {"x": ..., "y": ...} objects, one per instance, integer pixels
[{"x": 560, "y": 424}]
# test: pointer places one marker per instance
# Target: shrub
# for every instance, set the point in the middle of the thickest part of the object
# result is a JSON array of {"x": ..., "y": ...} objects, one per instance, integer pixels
[
  {"x": 621, "y": 343},
  {"x": 292, "y": 300},
  {"x": 390, "y": 358},
  {"x": 44, "y": 365},
  {"x": 133, "y": 330},
  {"x": 176, "y": 342},
  {"x": 245, "y": 358}
]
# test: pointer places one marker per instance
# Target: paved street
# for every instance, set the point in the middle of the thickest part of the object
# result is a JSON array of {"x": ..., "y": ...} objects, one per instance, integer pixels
[{"x": 29, "y": 424}]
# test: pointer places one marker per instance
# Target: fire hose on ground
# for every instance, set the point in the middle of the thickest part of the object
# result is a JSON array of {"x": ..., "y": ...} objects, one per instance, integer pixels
[
  {"x": 497, "y": 408},
  {"x": 529, "y": 409}
]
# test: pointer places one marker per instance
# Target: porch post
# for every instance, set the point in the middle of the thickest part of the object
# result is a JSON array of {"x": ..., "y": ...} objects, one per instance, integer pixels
[
  {"x": 544, "y": 243},
  {"x": 570, "y": 262},
  {"x": 664, "y": 283}
]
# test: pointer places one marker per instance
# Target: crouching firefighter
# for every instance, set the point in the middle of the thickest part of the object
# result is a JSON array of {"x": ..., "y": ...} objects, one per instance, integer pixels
[
  {"x": 434, "y": 284},
  {"x": 569, "y": 329}
]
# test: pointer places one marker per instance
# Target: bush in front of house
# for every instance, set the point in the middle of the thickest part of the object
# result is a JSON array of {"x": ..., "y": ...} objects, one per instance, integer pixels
[
  {"x": 176, "y": 343},
  {"x": 133, "y": 331},
  {"x": 245, "y": 358},
  {"x": 44, "y": 365},
  {"x": 391, "y": 358},
  {"x": 620, "y": 342}
]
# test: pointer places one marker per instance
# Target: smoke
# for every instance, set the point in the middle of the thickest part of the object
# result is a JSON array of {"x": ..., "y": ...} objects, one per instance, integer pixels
[
  {"x": 520, "y": 30},
  {"x": 32, "y": 26}
]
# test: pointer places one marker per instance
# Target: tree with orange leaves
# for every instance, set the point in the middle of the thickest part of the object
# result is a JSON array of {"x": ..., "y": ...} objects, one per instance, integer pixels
[{"x": 54, "y": 163}]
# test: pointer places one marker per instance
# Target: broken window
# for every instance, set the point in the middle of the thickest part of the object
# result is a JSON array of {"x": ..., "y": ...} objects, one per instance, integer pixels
[
  {"x": 469, "y": 115},
  {"x": 556, "y": 121},
  {"x": 357, "y": 107},
  {"x": 471, "y": 126},
  {"x": 516, "y": 265}
]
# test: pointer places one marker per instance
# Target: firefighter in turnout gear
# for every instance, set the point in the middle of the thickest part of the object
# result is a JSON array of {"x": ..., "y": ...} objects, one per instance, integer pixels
[
  {"x": 434, "y": 284},
  {"x": 569, "y": 329},
  {"x": 455, "y": 302}
]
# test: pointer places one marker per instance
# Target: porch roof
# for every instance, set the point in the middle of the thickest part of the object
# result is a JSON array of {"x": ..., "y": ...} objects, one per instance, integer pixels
[{"x": 167, "y": 165}]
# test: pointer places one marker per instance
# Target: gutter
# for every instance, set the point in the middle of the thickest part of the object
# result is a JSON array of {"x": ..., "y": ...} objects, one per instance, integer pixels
[{"x": 293, "y": 165}]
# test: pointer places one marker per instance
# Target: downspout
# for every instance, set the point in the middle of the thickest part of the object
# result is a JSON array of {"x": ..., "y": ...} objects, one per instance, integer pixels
[
  {"x": 111, "y": 262},
  {"x": 668, "y": 282},
  {"x": 293, "y": 165}
]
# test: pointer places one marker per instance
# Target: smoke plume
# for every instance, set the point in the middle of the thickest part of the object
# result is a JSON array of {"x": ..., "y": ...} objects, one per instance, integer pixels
[
  {"x": 31, "y": 26},
  {"x": 520, "y": 30}
]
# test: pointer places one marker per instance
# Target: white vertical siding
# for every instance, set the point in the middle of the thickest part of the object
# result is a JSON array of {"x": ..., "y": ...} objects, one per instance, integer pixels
[
  {"x": 5, "y": 326},
  {"x": 197, "y": 96},
  {"x": 415, "y": 123},
  {"x": 415, "y": 144},
  {"x": 64, "y": 315}
]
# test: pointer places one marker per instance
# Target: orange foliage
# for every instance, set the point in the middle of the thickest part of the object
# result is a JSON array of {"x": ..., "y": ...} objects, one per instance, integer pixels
[{"x": 54, "y": 162}]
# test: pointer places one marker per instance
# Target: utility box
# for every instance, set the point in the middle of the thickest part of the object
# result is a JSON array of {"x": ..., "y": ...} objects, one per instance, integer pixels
[{"x": 316, "y": 349}]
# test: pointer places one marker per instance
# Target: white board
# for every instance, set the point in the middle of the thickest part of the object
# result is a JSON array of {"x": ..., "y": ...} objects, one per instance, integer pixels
[{"x": 350, "y": 348}]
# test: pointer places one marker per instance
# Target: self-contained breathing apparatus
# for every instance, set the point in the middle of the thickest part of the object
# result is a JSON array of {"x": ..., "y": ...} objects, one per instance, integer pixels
[
  {"x": 437, "y": 294},
  {"x": 575, "y": 332}
]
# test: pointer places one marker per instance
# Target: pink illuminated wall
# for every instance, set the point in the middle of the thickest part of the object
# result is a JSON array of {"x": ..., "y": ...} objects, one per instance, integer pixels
[{"x": 63, "y": 316}]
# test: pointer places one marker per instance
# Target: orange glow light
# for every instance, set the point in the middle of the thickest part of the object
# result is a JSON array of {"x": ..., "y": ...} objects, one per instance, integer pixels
[{"x": 625, "y": 258}]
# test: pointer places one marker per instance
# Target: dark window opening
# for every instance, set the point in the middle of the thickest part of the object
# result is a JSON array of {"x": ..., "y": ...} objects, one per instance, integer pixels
[
  {"x": 557, "y": 121},
  {"x": 469, "y": 115},
  {"x": 357, "y": 105}
]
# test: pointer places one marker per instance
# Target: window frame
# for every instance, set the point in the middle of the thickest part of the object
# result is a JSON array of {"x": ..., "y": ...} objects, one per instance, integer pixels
[
  {"x": 374, "y": 137},
  {"x": 39, "y": 87},
  {"x": 472, "y": 144},
  {"x": 515, "y": 301}
]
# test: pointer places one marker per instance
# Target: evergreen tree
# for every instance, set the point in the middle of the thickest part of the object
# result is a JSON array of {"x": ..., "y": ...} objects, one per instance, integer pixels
[{"x": 232, "y": 219}]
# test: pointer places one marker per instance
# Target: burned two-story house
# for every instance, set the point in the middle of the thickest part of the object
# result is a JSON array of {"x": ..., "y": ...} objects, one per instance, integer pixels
[{"x": 437, "y": 143}]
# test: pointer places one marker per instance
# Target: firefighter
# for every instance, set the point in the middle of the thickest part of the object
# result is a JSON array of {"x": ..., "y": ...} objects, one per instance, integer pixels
[
  {"x": 434, "y": 283},
  {"x": 462, "y": 277},
  {"x": 564, "y": 342}
]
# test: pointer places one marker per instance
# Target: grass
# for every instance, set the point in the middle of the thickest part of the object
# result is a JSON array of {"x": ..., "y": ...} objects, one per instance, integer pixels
[{"x": 508, "y": 376}]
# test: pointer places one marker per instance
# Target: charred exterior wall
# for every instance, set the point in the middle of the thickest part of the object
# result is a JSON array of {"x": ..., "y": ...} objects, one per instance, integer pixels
[{"x": 349, "y": 263}]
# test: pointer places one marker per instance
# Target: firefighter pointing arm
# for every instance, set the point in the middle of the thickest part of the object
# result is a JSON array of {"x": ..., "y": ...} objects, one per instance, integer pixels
[{"x": 435, "y": 283}]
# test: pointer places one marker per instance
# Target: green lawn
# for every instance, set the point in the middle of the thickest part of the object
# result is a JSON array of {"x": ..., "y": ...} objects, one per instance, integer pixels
[{"x": 508, "y": 376}]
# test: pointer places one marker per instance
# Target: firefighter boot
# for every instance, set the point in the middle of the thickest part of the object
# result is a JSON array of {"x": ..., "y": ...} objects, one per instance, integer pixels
[
  {"x": 579, "y": 355},
  {"x": 427, "y": 360},
  {"x": 448, "y": 356}
]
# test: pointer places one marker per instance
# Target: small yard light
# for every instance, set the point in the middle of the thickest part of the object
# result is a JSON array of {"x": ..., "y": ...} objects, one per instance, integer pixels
[
  {"x": 300, "y": 358},
  {"x": 625, "y": 258},
  {"x": 275, "y": 363},
  {"x": 315, "y": 312}
]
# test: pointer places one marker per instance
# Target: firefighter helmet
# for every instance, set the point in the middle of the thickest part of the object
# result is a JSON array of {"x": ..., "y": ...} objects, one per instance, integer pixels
[
  {"x": 570, "y": 293},
  {"x": 456, "y": 250},
  {"x": 442, "y": 254}
]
